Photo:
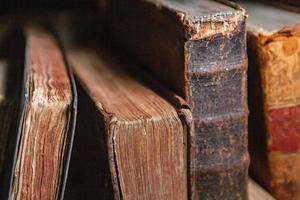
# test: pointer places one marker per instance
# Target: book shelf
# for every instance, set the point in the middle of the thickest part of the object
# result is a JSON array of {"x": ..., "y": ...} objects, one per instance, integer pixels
[{"x": 256, "y": 192}]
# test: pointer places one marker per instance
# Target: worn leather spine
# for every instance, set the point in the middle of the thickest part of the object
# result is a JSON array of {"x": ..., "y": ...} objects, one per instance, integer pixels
[
  {"x": 277, "y": 56},
  {"x": 218, "y": 99},
  {"x": 201, "y": 56}
]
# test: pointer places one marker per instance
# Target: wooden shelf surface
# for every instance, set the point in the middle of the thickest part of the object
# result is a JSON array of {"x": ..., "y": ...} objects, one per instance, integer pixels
[{"x": 256, "y": 192}]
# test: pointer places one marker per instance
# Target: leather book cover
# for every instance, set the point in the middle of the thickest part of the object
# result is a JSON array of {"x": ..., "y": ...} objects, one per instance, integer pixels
[
  {"x": 198, "y": 49},
  {"x": 274, "y": 98}
]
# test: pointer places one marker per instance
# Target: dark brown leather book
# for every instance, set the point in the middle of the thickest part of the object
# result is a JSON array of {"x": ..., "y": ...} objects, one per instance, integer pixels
[
  {"x": 130, "y": 142},
  {"x": 198, "y": 49},
  {"x": 274, "y": 98},
  {"x": 47, "y": 122}
]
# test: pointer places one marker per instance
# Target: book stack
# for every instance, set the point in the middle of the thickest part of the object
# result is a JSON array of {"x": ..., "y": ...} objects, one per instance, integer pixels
[{"x": 150, "y": 100}]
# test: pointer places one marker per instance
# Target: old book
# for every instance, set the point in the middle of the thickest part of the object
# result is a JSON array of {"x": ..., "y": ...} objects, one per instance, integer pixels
[
  {"x": 130, "y": 142},
  {"x": 256, "y": 192},
  {"x": 274, "y": 98},
  {"x": 198, "y": 49},
  {"x": 41, "y": 158}
]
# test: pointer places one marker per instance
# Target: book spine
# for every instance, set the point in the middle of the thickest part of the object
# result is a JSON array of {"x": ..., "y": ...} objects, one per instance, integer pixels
[
  {"x": 280, "y": 74},
  {"x": 216, "y": 81}
]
